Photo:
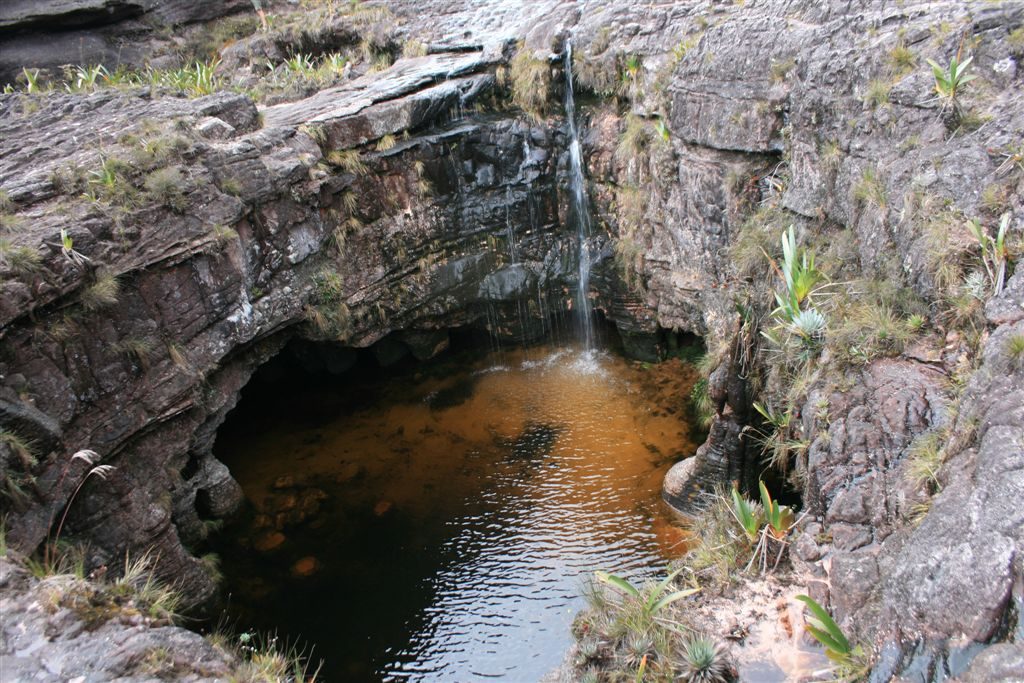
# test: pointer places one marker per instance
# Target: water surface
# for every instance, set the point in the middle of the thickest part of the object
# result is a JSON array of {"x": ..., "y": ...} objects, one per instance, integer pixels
[{"x": 436, "y": 524}]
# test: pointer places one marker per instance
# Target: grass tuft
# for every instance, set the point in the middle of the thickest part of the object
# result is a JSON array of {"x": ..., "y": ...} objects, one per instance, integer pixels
[
  {"x": 102, "y": 292},
  {"x": 168, "y": 186},
  {"x": 531, "y": 81}
]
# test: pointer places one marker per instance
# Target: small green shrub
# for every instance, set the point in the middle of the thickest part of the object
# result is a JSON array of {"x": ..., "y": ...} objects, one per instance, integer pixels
[
  {"x": 631, "y": 82},
  {"x": 110, "y": 182}
]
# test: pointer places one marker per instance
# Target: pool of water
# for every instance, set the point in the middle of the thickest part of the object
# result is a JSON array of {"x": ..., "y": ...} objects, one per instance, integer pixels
[{"x": 436, "y": 523}]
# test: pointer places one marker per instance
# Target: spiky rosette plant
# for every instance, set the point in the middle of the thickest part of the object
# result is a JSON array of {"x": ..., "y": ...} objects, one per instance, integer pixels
[{"x": 704, "y": 661}]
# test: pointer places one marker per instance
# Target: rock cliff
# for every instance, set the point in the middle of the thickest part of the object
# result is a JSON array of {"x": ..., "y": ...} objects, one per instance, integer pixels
[{"x": 200, "y": 235}]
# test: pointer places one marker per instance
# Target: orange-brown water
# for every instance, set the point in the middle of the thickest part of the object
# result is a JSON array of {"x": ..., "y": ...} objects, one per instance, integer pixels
[{"x": 456, "y": 510}]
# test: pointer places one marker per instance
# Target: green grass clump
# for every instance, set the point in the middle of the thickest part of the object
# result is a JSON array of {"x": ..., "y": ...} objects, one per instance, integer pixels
[
  {"x": 870, "y": 189},
  {"x": 721, "y": 544},
  {"x": 924, "y": 459},
  {"x": 902, "y": 60},
  {"x": 701, "y": 404},
  {"x": 1016, "y": 40},
  {"x": 877, "y": 93},
  {"x": 18, "y": 458},
  {"x": 598, "y": 73},
  {"x": 1013, "y": 351},
  {"x": 102, "y": 292},
  {"x": 168, "y": 186},
  {"x": 414, "y": 48},
  {"x": 348, "y": 160},
  {"x": 531, "y": 80},
  {"x": 21, "y": 260}
]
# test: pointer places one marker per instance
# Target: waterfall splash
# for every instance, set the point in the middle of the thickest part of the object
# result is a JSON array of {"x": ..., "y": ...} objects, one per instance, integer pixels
[{"x": 580, "y": 208}]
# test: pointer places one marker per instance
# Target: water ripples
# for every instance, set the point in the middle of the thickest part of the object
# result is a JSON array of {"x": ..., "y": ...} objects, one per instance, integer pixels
[{"x": 497, "y": 490}]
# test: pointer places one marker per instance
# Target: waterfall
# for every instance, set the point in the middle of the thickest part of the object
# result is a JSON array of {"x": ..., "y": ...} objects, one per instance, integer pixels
[{"x": 580, "y": 211}]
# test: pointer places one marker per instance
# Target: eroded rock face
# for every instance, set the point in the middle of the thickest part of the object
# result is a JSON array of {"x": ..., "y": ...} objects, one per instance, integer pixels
[{"x": 455, "y": 224}]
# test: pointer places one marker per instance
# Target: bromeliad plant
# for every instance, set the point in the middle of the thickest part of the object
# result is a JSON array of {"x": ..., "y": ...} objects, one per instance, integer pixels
[
  {"x": 655, "y": 599},
  {"x": 779, "y": 517},
  {"x": 765, "y": 526},
  {"x": 995, "y": 253},
  {"x": 950, "y": 80},
  {"x": 745, "y": 513},
  {"x": 850, "y": 660},
  {"x": 775, "y": 442},
  {"x": 795, "y": 312}
]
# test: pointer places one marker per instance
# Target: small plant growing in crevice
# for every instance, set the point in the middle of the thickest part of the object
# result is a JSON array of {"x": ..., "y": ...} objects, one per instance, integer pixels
[
  {"x": 950, "y": 81},
  {"x": 168, "y": 187},
  {"x": 995, "y": 252},
  {"x": 748, "y": 517},
  {"x": 801, "y": 278},
  {"x": 925, "y": 457},
  {"x": 702, "y": 405},
  {"x": 1013, "y": 352},
  {"x": 850, "y": 661},
  {"x": 531, "y": 80},
  {"x": 23, "y": 260},
  {"x": 17, "y": 479},
  {"x": 102, "y": 292}
]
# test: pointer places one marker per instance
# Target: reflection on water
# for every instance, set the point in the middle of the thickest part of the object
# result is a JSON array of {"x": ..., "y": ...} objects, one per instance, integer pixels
[{"x": 436, "y": 525}]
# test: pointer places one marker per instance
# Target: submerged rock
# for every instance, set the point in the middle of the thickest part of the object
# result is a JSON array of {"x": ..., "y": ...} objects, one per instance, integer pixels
[{"x": 307, "y": 566}]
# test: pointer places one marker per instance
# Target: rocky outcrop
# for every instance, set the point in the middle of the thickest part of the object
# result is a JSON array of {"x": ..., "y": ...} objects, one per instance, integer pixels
[
  {"x": 49, "y": 34},
  {"x": 137, "y": 339},
  {"x": 60, "y": 628}
]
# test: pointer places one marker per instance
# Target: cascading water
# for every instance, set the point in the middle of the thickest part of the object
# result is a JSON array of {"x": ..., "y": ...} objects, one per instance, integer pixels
[{"x": 580, "y": 208}]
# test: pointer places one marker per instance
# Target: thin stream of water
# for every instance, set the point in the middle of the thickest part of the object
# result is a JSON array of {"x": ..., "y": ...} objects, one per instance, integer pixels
[{"x": 580, "y": 207}]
